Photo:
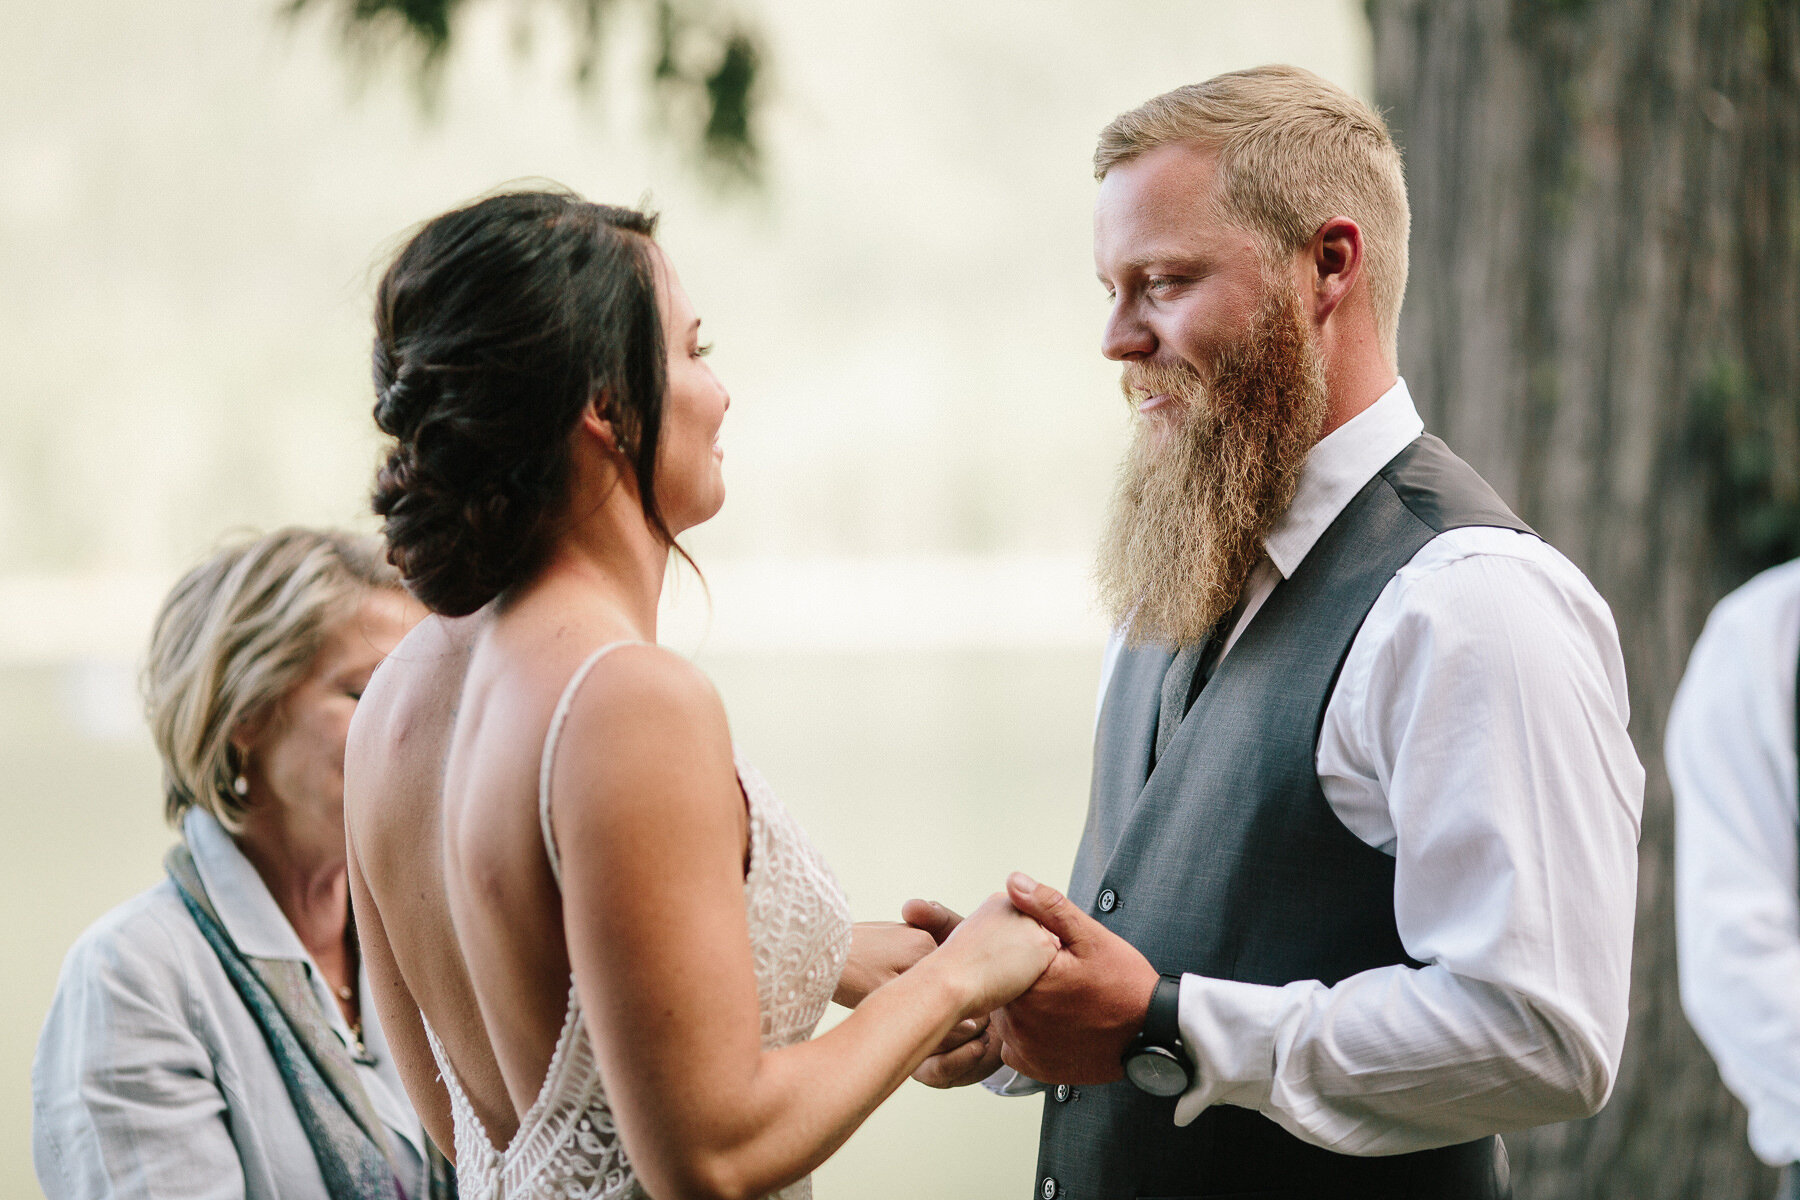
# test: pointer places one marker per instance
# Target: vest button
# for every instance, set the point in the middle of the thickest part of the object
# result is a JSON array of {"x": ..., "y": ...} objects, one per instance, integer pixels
[
  {"x": 1062, "y": 1093},
  {"x": 1049, "y": 1190},
  {"x": 1109, "y": 900}
]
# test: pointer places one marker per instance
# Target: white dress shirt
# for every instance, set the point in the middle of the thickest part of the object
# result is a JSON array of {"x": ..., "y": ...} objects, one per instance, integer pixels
[
  {"x": 1730, "y": 751},
  {"x": 153, "y": 1081},
  {"x": 1477, "y": 735}
]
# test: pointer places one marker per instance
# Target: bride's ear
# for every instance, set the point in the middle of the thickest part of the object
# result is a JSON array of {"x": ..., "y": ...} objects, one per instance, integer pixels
[{"x": 595, "y": 423}]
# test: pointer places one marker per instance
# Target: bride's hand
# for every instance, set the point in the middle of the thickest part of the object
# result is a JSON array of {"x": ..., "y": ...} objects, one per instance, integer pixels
[
  {"x": 880, "y": 951},
  {"x": 995, "y": 953}
]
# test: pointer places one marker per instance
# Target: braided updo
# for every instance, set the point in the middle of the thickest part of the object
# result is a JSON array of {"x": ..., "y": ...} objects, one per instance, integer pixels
[{"x": 494, "y": 328}]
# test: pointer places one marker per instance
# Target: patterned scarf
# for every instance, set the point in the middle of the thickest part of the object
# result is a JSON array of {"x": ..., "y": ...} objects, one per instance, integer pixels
[{"x": 347, "y": 1137}]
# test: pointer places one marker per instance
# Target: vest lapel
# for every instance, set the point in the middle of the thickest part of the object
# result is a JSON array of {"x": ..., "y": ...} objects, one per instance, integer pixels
[{"x": 1122, "y": 751}]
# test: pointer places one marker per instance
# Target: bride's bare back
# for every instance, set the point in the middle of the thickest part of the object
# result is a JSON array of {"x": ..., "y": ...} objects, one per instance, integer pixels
[{"x": 443, "y": 818}]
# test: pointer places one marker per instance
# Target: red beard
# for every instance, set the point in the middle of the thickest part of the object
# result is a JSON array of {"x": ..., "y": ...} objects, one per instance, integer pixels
[{"x": 1195, "y": 501}]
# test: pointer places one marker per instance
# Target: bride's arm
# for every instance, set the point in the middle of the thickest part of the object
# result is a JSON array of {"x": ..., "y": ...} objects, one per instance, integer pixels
[
  {"x": 651, "y": 829},
  {"x": 400, "y": 1020}
]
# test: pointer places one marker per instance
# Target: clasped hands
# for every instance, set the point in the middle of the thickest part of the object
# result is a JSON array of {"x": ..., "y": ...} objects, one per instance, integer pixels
[{"x": 1071, "y": 1026}]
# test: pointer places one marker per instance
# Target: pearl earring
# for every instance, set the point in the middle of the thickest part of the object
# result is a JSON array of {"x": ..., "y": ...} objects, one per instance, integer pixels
[{"x": 241, "y": 786}]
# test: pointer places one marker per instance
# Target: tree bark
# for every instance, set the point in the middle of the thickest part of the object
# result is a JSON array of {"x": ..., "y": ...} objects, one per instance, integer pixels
[{"x": 1604, "y": 318}]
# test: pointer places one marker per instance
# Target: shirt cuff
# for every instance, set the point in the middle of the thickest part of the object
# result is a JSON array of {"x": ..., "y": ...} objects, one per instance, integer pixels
[
  {"x": 1228, "y": 1029},
  {"x": 1008, "y": 1082}
]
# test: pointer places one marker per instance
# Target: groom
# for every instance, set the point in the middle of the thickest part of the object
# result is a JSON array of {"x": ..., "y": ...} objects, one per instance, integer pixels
[{"x": 1356, "y": 888}]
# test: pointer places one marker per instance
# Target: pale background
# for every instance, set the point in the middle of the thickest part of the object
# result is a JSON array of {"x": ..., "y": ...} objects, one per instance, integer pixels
[{"x": 194, "y": 200}]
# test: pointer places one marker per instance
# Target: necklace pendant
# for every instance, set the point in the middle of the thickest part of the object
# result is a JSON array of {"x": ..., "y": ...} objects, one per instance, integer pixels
[{"x": 359, "y": 1050}]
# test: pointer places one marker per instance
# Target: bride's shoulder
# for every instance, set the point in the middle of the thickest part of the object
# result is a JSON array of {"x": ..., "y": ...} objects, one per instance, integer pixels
[
  {"x": 636, "y": 674},
  {"x": 424, "y": 669},
  {"x": 639, "y": 701},
  {"x": 644, "y": 757}
]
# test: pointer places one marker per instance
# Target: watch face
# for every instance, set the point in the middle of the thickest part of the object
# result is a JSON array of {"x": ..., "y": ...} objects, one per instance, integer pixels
[{"x": 1155, "y": 1070}]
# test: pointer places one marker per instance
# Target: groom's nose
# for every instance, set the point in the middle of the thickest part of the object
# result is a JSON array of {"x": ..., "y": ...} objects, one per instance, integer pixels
[{"x": 1126, "y": 338}]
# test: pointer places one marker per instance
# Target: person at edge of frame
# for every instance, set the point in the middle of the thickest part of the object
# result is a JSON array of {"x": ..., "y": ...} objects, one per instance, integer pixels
[{"x": 1730, "y": 749}]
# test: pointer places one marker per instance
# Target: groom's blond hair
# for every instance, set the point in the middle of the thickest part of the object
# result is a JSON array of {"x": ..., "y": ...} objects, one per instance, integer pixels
[{"x": 1293, "y": 152}]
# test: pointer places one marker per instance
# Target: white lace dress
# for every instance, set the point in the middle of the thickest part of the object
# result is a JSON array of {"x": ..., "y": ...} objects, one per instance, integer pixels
[{"x": 567, "y": 1145}]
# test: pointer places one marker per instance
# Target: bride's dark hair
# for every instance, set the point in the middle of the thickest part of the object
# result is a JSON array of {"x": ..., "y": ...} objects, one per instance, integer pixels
[{"x": 494, "y": 328}]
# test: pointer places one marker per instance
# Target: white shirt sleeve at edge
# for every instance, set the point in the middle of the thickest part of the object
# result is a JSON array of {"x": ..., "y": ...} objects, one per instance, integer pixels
[
  {"x": 1477, "y": 733},
  {"x": 1730, "y": 752}
]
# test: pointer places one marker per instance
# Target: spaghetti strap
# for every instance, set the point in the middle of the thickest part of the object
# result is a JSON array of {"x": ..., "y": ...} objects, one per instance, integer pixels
[{"x": 556, "y": 723}]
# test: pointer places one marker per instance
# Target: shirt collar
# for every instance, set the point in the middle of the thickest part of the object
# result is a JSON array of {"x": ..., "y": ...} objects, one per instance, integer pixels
[
  {"x": 238, "y": 894},
  {"x": 1337, "y": 468}
]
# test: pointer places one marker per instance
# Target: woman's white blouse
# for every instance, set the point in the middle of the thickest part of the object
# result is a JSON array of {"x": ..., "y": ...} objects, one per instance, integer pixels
[{"x": 153, "y": 1080}]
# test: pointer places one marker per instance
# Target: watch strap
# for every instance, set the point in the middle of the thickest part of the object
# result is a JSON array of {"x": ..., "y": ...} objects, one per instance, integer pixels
[{"x": 1162, "y": 1024}]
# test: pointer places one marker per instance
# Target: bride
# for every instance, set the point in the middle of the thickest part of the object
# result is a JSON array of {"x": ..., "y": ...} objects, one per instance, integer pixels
[{"x": 597, "y": 941}]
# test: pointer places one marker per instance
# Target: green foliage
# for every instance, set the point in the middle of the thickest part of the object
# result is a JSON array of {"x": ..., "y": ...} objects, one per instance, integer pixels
[
  {"x": 703, "y": 77},
  {"x": 426, "y": 20},
  {"x": 728, "y": 124},
  {"x": 726, "y": 76},
  {"x": 1752, "y": 490}
]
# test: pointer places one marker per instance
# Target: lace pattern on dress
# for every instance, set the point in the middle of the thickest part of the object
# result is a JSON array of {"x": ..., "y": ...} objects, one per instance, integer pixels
[{"x": 567, "y": 1145}]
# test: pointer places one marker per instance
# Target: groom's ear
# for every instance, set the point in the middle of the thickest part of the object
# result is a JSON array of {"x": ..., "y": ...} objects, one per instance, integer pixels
[{"x": 930, "y": 916}]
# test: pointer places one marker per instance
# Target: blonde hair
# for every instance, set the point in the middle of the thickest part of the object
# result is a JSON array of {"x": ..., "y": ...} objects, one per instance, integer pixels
[
  {"x": 233, "y": 637},
  {"x": 1293, "y": 152}
]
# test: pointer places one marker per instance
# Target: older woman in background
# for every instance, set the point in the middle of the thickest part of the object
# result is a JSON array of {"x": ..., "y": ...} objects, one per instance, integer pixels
[{"x": 209, "y": 1038}]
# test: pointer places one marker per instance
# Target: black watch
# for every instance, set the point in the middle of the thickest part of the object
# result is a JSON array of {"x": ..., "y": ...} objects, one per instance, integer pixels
[{"x": 1156, "y": 1061}]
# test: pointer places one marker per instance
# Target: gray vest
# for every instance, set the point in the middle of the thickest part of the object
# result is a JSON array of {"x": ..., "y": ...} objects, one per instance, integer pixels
[{"x": 1226, "y": 860}]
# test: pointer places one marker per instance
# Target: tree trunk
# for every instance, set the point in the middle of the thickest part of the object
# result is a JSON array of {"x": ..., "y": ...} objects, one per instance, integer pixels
[{"x": 1603, "y": 317}]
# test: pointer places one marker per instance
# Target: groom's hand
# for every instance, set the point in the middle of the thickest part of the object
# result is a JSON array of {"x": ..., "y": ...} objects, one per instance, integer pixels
[
  {"x": 880, "y": 951},
  {"x": 960, "y": 1065},
  {"x": 1075, "y": 1022},
  {"x": 931, "y": 917}
]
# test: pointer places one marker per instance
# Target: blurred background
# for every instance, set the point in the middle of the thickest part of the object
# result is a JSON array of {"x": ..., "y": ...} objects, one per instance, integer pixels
[{"x": 882, "y": 211}]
